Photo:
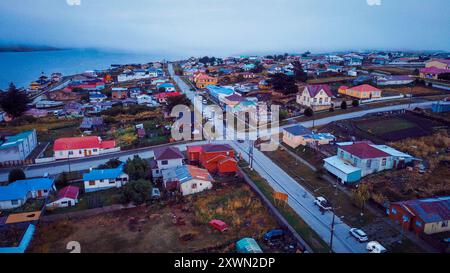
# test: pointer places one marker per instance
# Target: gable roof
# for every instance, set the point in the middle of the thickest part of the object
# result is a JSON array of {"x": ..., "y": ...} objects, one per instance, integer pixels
[
  {"x": 364, "y": 88},
  {"x": 20, "y": 188},
  {"x": 76, "y": 143},
  {"x": 298, "y": 130},
  {"x": 166, "y": 153},
  {"x": 104, "y": 173},
  {"x": 209, "y": 148},
  {"x": 313, "y": 90},
  {"x": 186, "y": 173},
  {"x": 430, "y": 210},
  {"x": 68, "y": 192},
  {"x": 363, "y": 150}
]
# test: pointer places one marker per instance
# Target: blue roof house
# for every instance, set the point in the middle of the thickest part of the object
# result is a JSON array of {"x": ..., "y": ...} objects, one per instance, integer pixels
[
  {"x": 17, "y": 193},
  {"x": 168, "y": 87},
  {"x": 218, "y": 93},
  {"x": 18, "y": 147},
  {"x": 104, "y": 179}
]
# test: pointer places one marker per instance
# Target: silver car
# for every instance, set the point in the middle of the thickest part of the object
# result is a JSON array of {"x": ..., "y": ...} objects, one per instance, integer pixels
[{"x": 360, "y": 235}]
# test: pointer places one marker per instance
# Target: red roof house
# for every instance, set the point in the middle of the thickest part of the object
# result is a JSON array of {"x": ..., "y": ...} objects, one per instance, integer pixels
[
  {"x": 364, "y": 150},
  {"x": 213, "y": 157},
  {"x": 162, "y": 97},
  {"x": 66, "y": 197},
  {"x": 74, "y": 147}
]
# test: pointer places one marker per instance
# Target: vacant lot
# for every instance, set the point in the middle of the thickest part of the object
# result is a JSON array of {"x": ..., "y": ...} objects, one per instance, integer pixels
[
  {"x": 381, "y": 127},
  {"x": 416, "y": 90},
  {"x": 173, "y": 227}
]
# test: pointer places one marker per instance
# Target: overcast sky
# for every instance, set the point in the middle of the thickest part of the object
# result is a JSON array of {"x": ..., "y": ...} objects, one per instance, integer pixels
[{"x": 221, "y": 27}]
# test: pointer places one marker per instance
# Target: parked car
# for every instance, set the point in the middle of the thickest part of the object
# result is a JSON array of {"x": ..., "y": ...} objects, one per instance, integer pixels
[
  {"x": 274, "y": 234},
  {"x": 322, "y": 203},
  {"x": 360, "y": 235},
  {"x": 205, "y": 102},
  {"x": 218, "y": 224},
  {"x": 375, "y": 247},
  {"x": 156, "y": 194}
]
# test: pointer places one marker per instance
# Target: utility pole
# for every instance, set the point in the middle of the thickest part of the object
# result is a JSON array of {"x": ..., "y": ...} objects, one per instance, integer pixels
[
  {"x": 250, "y": 153},
  {"x": 332, "y": 231}
]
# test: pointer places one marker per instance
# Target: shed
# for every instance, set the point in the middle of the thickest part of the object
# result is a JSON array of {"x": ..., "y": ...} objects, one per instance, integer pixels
[{"x": 248, "y": 245}]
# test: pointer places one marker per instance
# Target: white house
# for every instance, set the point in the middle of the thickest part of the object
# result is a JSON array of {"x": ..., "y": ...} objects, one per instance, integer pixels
[
  {"x": 187, "y": 179},
  {"x": 315, "y": 96},
  {"x": 146, "y": 100},
  {"x": 103, "y": 179},
  {"x": 76, "y": 147},
  {"x": 138, "y": 74},
  {"x": 17, "y": 193},
  {"x": 66, "y": 197},
  {"x": 165, "y": 158},
  {"x": 18, "y": 147}
]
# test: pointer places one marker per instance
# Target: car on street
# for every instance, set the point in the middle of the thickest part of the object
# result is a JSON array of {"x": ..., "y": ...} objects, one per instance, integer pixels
[
  {"x": 360, "y": 235},
  {"x": 375, "y": 247},
  {"x": 322, "y": 203},
  {"x": 204, "y": 101}
]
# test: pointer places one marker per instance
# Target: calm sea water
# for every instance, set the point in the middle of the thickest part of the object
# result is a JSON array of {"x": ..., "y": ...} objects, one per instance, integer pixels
[{"x": 21, "y": 68}]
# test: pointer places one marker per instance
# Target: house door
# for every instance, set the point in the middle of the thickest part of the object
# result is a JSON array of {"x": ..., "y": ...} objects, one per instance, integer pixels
[
  {"x": 39, "y": 194},
  {"x": 69, "y": 203},
  {"x": 85, "y": 152}
]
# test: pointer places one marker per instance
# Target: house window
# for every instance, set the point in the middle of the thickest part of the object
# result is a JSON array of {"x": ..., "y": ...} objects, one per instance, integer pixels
[
  {"x": 80, "y": 152},
  {"x": 342, "y": 154},
  {"x": 95, "y": 150},
  {"x": 394, "y": 211},
  {"x": 194, "y": 186},
  {"x": 164, "y": 162},
  {"x": 14, "y": 202},
  {"x": 368, "y": 163},
  {"x": 383, "y": 162},
  {"x": 61, "y": 153},
  {"x": 70, "y": 152},
  {"x": 112, "y": 182},
  {"x": 92, "y": 183},
  {"x": 444, "y": 224}
]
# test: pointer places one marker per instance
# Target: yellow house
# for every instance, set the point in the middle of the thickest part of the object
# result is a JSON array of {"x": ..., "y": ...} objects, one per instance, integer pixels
[
  {"x": 364, "y": 91},
  {"x": 438, "y": 63},
  {"x": 202, "y": 80}
]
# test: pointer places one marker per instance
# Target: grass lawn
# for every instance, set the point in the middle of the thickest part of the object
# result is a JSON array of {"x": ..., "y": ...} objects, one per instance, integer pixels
[
  {"x": 382, "y": 126},
  {"x": 305, "y": 231}
]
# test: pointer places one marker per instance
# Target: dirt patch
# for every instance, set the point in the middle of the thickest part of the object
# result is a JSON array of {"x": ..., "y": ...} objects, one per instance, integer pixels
[{"x": 176, "y": 227}]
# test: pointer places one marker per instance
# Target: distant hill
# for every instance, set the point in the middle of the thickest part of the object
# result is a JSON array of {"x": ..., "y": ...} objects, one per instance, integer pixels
[{"x": 25, "y": 48}]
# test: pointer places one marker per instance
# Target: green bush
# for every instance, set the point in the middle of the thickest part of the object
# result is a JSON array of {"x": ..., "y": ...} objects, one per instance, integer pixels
[{"x": 137, "y": 192}]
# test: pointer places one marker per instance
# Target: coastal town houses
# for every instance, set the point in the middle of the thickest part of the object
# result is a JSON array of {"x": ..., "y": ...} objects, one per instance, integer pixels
[
  {"x": 297, "y": 135},
  {"x": 187, "y": 179},
  {"x": 165, "y": 158},
  {"x": 216, "y": 158},
  {"x": 18, "y": 147},
  {"x": 358, "y": 159},
  {"x": 17, "y": 193},
  {"x": 315, "y": 96},
  {"x": 428, "y": 216},
  {"x": 66, "y": 197},
  {"x": 364, "y": 91},
  {"x": 102, "y": 179},
  {"x": 77, "y": 147}
]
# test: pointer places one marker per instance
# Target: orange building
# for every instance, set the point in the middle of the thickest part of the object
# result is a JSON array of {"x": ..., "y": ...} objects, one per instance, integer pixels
[
  {"x": 202, "y": 80},
  {"x": 364, "y": 91}
]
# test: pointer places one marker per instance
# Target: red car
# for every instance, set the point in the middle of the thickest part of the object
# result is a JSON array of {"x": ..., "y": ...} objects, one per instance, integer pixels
[{"x": 218, "y": 224}]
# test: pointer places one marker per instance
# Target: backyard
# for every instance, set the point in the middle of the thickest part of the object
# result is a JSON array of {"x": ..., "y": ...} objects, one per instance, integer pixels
[{"x": 164, "y": 227}]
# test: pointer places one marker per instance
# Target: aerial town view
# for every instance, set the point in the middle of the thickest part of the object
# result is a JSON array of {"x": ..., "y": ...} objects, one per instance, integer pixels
[{"x": 225, "y": 127}]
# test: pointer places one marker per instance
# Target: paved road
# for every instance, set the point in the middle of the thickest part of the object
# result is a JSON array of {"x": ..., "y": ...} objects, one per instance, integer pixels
[{"x": 299, "y": 199}]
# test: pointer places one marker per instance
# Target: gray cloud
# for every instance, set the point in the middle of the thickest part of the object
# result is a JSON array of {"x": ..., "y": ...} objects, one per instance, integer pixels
[{"x": 221, "y": 27}]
